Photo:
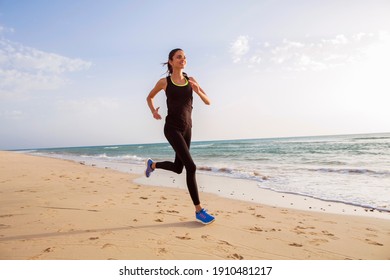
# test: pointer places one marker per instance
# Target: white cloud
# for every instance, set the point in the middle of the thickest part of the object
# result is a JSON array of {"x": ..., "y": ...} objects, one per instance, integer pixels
[
  {"x": 26, "y": 59},
  {"x": 285, "y": 52},
  {"x": 338, "y": 40},
  {"x": 89, "y": 106},
  {"x": 309, "y": 54},
  {"x": 16, "y": 83},
  {"x": 255, "y": 59},
  {"x": 24, "y": 70},
  {"x": 11, "y": 114},
  {"x": 4, "y": 29},
  {"x": 239, "y": 48}
]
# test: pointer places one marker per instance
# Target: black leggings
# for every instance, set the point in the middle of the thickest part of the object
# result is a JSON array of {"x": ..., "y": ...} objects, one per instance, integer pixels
[{"x": 180, "y": 142}]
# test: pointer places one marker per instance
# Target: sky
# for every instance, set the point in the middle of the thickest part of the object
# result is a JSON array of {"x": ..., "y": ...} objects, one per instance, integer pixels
[{"x": 77, "y": 73}]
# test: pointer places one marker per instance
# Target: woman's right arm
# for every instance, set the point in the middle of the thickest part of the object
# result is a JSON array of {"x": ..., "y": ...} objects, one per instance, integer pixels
[{"x": 161, "y": 84}]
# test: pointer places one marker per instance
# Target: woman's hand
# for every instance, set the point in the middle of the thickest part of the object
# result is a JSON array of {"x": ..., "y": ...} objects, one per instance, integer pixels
[
  {"x": 195, "y": 87},
  {"x": 156, "y": 115}
]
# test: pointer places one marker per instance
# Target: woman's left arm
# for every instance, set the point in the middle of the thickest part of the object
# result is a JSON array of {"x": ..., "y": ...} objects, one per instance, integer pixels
[{"x": 195, "y": 86}]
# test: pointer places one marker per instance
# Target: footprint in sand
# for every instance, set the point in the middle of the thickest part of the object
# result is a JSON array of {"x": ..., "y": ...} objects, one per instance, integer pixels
[
  {"x": 300, "y": 230},
  {"x": 372, "y": 242},
  {"x": 205, "y": 237},
  {"x": 259, "y": 216},
  {"x": 223, "y": 242},
  {"x": 318, "y": 242},
  {"x": 327, "y": 233},
  {"x": 107, "y": 245},
  {"x": 173, "y": 211},
  {"x": 299, "y": 227},
  {"x": 331, "y": 235},
  {"x": 295, "y": 245},
  {"x": 49, "y": 250},
  {"x": 256, "y": 229},
  {"x": 372, "y": 232},
  {"x": 159, "y": 220},
  {"x": 6, "y": 216},
  {"x": 265, "y": 230},
  {"x": 235, "y": 256},
  {"x": 186, "y": 237},
  {"x": 162, "y": 251}
]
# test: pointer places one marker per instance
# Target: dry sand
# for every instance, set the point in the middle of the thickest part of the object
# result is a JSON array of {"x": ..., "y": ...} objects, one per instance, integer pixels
[{"x": 62, "y": 210}]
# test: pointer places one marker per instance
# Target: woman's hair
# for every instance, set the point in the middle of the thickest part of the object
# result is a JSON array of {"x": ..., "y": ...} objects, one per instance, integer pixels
[{"x": 170, "y": 57}]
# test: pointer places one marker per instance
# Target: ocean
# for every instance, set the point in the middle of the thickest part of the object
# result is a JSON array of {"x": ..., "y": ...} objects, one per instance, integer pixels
[{"x": 352, "y": 169}]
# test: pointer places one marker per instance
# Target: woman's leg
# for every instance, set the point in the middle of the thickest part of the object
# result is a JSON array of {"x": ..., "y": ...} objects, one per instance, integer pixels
[
  {"x": 180, "y": 142},
  {"x": 176, "y": 166}
]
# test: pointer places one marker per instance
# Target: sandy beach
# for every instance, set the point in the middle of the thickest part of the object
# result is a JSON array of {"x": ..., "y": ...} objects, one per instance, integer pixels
[{"x": 53, "y": 209}]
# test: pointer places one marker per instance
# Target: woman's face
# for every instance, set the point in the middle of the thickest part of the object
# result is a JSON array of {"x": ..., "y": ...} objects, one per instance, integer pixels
[{"x": 179, "y": 60}]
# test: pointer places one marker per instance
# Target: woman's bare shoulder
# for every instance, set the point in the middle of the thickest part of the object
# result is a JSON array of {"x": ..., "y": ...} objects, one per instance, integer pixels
[
  {"x": 162, "y": 82},
  {"x": 192, "y": 79}
]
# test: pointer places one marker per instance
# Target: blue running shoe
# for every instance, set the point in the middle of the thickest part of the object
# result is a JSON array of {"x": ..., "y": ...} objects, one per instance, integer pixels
[
  {"x": 204, "y": 217},
  {"x": 149, "y": 168}
]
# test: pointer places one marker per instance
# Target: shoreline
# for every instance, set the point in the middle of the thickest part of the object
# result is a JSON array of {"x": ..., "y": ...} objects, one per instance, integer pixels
[
  {"x": 59, "y": 209},
  {"x": 236, "y": 188},
  {"x": 249, "y": 191}
]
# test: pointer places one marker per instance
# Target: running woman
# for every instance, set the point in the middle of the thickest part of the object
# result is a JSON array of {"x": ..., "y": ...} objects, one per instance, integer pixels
[{"x": 178, "y": 88}]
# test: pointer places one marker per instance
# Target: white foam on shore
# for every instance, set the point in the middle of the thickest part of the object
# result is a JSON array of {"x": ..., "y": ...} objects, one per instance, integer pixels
[{"x": 246, "y": 190}]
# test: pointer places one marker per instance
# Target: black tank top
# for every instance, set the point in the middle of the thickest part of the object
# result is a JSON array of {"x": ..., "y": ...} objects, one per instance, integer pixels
[{"x": 179, "y": 103}]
